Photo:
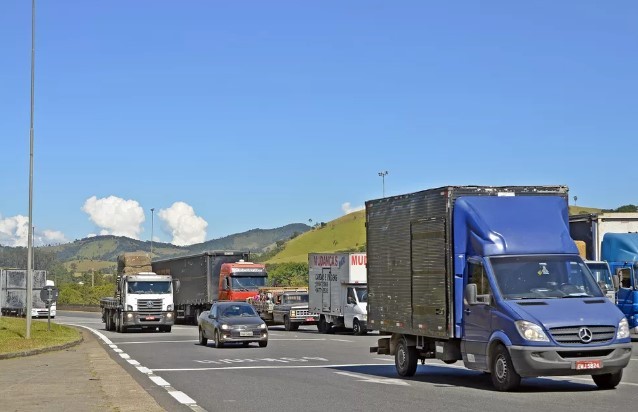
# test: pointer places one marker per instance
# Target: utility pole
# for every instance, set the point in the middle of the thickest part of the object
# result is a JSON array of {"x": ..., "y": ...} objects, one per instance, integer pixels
[
  {"x": 152, "y": 229},
  {"x": 383, "y": 175},
  {"x": 29, "y": 296}
]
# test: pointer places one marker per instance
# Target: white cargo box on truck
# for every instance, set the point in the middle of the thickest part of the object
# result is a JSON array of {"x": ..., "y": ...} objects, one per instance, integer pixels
[{"x": 337, "y": 290}]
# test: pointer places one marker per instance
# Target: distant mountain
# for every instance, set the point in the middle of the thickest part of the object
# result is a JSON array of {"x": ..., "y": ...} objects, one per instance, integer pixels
[{"x": 107, "y": 248}]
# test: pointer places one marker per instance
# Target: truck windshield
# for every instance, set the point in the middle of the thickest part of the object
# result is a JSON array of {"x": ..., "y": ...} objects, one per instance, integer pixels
[
  {"x": 294, "y": 299},
  {"x": 601, "y": 274},
  {"x": 248, "y": 282},
  {"x": 149, "y": 287},
  {"x": 362, "y": 294},
  {"x": 543, "y": 277}
]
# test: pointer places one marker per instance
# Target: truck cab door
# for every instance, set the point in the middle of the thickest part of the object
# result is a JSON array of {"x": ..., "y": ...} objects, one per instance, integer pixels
[
  {"x": 626, "y": 293},
  {"x": 477, "y": 316},
  {"x": 349, "y": 307}
]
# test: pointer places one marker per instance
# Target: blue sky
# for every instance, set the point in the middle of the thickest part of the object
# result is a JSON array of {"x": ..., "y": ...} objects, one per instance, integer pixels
[{"x": 228, "y": 116}]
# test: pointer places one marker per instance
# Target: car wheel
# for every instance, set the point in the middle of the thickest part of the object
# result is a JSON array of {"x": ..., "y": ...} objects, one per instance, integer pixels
[
  {"x": 218, "y": 343},
  {"x": 203, "y": 340},
  {"x": 504, "y": 377},
  {"x": 263, "y": 344},
  {"x": 405, "y": 359},
  {"x": 167, "y": 329},
  {"x": 607, "y": 380}
]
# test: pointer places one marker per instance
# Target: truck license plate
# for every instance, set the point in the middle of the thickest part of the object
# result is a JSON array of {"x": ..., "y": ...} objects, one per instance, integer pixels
[
  {"x": 586, "y": 365},
  {"x": 244, "y": 333},
  {"x": 150, "y": 318}
]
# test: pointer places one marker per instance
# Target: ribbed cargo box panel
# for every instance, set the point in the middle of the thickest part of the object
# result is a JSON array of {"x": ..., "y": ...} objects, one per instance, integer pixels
[{"x": 410, "y": 257}]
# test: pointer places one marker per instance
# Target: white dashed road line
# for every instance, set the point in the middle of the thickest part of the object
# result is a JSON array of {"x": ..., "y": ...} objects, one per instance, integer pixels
[{"x": 180, "y": 396}]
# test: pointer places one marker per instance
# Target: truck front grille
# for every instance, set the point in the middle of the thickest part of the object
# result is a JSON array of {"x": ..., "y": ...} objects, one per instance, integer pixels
[
  {"x": 303, "y": 313},
  {"x": 149, "y": 305},
  {"x": 571, "y": 335}
]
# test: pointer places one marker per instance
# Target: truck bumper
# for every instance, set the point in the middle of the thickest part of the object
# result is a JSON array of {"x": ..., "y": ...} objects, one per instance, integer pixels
[
  {"x": 543, "y": 361},
  {"x": 306, "y": 320},
  {"x": 144, "y": 319}
]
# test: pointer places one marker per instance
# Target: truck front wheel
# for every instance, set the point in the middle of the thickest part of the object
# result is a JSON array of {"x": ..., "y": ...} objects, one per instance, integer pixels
[
  {"x": 607, "y": 380},
  {"x": 357, "y": 329},
  {"x": 504, "y": 377},
  {"x": 405, "y": 359},
  {"x": 287, "y": 323}
]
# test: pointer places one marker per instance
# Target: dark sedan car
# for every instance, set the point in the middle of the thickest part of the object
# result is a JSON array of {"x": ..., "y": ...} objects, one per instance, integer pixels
[{"x": 232, "y": 322}]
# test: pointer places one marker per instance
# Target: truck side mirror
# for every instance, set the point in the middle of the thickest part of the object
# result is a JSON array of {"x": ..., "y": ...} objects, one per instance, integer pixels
[
  {"x": 470, "y": 294},
  {"x": 178, "y": 284},
  {"x": 616, "y": 282}
]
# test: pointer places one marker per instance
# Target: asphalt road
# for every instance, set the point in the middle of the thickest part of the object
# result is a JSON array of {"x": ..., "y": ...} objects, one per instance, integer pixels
[{"x": 307, "y": 371}]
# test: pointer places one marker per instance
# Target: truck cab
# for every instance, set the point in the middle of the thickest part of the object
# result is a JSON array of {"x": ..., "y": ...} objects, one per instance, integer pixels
[
  {"x": 241, "y": 280},
  {"x": 620, "y": 250},
  {"x": 147, "y": 300}
]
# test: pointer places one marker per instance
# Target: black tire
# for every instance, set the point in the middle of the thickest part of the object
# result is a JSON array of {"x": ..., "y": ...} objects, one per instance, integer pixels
[
  {"x": 118, "y": 324},
  {"x": 357, "y": 329},
  {"x": 405, "y": 359},
  {"x": 263, "y": 343},
  {"x": 218, "y": 344},
  {"x": 321, "y": 325},
  {"x": 168, "y": 329},
  {"x": 294, "y": 326},
  {"x": 203, "y": 340},
  {"x": 607, "y": 380},
  {"x": 287, "y": 323},
  {"x": 107, "y": 323},
  {"x": 504, "y": 377}
]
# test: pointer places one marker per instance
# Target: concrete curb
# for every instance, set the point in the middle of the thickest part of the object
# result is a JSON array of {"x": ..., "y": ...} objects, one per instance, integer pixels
[{"x": 42, "y": 350}]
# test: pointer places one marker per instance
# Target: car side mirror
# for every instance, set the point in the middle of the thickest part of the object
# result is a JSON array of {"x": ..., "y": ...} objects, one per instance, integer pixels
[
  {"x": 211, "y": 316},
  {"x": 470, "y": 294}
]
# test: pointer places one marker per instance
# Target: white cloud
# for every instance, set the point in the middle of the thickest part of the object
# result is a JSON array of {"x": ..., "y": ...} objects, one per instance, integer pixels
[
  {"x": 347, "y": 208},
  {"x": 14, "y": 231},
  {"x": 182, "y": 223},
  {"x": 115, "y": 216}
]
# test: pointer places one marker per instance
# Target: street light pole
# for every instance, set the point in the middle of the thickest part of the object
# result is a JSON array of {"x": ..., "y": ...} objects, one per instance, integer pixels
[
  {"x": 383, "y": 174},
  {"x": 152, "y": 229},
  {"x": 29, "y": 296}
]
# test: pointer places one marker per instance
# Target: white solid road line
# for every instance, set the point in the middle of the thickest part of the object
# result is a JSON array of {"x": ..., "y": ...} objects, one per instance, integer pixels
[{"x": 157, "y": 341}]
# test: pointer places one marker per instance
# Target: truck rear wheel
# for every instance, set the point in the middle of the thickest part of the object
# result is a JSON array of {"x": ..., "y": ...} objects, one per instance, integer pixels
[
  {"x": 504, "y": 377},
  {"x": 405, "y": 359},
  {"x": 607, "y": 380}
]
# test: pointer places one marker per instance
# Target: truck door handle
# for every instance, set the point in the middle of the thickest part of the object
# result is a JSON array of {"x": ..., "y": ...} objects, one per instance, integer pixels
[{"x": 467, "y": 311}]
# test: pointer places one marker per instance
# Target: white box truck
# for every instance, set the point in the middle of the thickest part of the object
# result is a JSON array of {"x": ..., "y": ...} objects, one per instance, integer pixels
[
  {"x": 337, "y": 289},
  {"x": 591, "y": 229}
]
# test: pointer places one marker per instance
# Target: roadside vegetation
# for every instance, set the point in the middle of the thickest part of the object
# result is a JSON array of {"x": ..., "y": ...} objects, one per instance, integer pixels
[{"x": 13, "y": 332}]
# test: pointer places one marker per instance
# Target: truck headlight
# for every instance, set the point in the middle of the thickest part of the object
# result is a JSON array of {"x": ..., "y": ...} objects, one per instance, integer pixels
[
  {"x": 169, "y": 308},
  {"x": 225, "y": 327},
  {"x": 623, "y": 329},
  {"x": 129, "y": 307},
  {"x": 531, "y": 331},
  {"x": 293, "y": 313}
]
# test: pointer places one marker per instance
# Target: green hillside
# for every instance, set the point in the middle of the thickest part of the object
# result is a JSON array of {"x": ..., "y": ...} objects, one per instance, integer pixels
[
  {"x": 344, "y": 234},
  {"x": 580, "y": 210}
]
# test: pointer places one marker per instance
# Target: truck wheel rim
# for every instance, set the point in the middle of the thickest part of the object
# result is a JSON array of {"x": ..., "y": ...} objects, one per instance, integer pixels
[
  {"x": 401, "y": 354},
  {"x": 500, "y": 368}
]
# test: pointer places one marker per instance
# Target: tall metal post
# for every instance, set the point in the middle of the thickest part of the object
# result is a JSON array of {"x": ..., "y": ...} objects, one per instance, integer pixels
[
  {"x": 383, "y": 174},
  {"x": 152, "y": 224},
  {"x": 29, "y": 297}
]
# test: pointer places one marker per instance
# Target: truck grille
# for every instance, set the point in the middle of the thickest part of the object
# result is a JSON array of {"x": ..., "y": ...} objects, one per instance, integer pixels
[
  {"x": 303, "y": 313},
  {"x": 149, "y": 305},
  {"x": 570, "y": 335}
]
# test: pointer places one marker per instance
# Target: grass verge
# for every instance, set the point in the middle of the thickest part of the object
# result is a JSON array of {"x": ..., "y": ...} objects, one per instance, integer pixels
[{"x": 13, "y": 332}]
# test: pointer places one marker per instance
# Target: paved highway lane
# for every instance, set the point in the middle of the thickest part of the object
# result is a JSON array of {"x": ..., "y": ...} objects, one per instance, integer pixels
[{"x": 308, "y": 371}]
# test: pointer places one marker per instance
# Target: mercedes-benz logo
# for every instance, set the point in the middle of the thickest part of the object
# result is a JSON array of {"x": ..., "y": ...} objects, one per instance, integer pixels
[
  {"x": 585, "y": 335},
  {"x": 149, "y": 304}
]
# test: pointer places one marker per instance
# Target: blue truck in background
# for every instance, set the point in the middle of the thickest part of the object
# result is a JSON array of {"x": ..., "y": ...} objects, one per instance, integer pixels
[
  {"x": 620, "y": 250},
  {"x": 489, "y": 276}
]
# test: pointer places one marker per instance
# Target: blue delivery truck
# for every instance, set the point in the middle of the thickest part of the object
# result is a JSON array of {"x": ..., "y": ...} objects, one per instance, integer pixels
[
  {"x": 620, "y": 250},
  {"x": 489, "y": 276}
]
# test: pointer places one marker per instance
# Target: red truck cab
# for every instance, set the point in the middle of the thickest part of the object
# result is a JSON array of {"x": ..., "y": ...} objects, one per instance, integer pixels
[{"x": 241, "y": 280}]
